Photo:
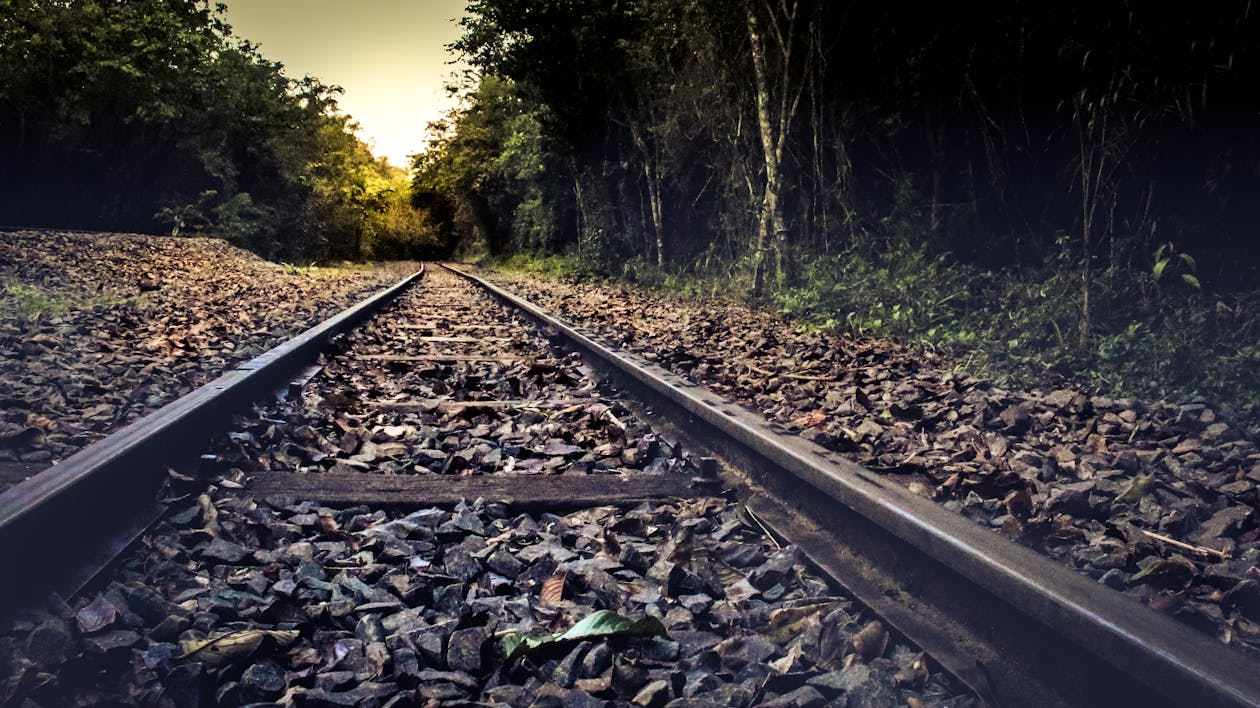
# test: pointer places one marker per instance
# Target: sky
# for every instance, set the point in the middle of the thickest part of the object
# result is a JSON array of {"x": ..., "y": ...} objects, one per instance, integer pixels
[{"x": 388, "y": 55}]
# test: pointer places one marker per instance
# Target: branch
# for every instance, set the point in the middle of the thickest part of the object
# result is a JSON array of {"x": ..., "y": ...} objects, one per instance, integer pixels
[{"x": 1202, "y": 550}]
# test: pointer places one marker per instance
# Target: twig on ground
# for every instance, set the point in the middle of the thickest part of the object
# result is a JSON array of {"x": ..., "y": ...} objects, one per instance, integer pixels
[{"x": 1203, "y": 550}]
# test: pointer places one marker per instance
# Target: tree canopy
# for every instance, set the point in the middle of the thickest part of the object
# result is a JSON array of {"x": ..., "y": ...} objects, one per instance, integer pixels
[{"x": 150, "y": 115}]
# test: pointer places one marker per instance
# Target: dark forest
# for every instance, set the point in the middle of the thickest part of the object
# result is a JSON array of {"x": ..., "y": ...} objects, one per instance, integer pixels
[{"x": 1064, "y": 185}]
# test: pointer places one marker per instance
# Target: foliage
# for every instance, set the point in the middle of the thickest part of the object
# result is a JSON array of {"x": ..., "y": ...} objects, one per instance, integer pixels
[
  {"x": 151, "y": 115},
  {"x": 487, "y": 177},
  {"x": 1020, "y": 181},
  {"x": 1152, "y": 339},
  {"x": 597, "y": 625},
  {"x": 551, "y": 265}
]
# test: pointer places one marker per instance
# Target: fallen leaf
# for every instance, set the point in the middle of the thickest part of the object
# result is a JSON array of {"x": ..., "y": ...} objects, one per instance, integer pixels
[
  {"x": 810, "y": 420},
  {"x": 238, "y": 644},
  {"x": 1019, "y": 503},
  {"x": 601, "y": 623},
  {"x": 553, "y": 589},
  {"x": 787, "y": 622},
  {"x": 871, "y": 641},
  {"x": 792, "y": 660},
  {"x": 1138, "y": 488}
]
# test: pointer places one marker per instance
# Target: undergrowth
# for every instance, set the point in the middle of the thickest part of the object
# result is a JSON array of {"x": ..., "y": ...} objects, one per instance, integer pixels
[
  {"x": 553, "y": 265},
  {"x": 1151, "y": 337},
  {"x": 326, "y": 269}
]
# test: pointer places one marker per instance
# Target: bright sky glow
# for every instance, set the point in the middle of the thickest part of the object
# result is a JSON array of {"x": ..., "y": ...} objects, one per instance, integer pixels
[{"x": 388, "y": 55}]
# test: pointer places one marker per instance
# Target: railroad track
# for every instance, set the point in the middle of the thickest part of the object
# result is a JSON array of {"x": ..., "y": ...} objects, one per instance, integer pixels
[{"x": 433, "y": 447}]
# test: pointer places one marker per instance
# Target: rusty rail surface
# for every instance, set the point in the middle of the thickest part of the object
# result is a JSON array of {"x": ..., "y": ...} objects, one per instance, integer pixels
[
  {"x": 1016, "y": 626},
  {"x": 59, "y": 528}
]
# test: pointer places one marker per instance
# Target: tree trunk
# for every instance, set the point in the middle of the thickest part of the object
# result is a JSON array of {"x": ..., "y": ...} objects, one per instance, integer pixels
[
  {"x": 652, "y": 176},
  {"x": 773, "y": 123},
  {"x": 581, "y": 206},
  {"x": 770, "y": 197},
  {"x": 1091, "y": 140},
  {"x": 654, "y": 204}
]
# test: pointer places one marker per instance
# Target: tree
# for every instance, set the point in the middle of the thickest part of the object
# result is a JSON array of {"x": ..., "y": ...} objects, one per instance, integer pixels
[
  {"x": 675, "y": 129},
  {"x": 778, "y": 94},
  {"x": 486, "y": 177},
  {"x": 155, "y": 117}
]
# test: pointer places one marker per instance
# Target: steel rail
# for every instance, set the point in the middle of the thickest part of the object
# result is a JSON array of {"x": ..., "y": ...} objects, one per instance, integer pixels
[
  {"x": 59, "y": 528},
  {"x": 1044, "y": 634}
]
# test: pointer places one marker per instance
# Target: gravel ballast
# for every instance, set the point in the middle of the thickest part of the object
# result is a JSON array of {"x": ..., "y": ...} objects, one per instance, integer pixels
[
  {"x": 234, "y": 600},
  {"x": 1151, "y": 498}
]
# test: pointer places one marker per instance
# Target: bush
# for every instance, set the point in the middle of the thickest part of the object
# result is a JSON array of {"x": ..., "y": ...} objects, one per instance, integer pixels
[{"x": 1154, "y": 338}]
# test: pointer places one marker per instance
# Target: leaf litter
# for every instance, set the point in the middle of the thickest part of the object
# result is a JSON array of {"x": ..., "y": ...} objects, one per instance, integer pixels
[
  {"x": 1111, "y": 487},
  {"x": 134, "y": 322}
]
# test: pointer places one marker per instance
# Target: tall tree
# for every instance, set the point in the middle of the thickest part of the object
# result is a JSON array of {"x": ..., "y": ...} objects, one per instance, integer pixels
[{"x": 779, "y": 77}]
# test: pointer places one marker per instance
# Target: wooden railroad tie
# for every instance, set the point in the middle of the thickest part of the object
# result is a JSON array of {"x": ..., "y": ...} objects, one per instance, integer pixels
[
  {"x": 449, "y": 327},
  {"x": 446, "y": 405},
  {"x": 461, "y": 340},
  {"x": 556, "y": 491},
  {"x": 439, "y": 358}
]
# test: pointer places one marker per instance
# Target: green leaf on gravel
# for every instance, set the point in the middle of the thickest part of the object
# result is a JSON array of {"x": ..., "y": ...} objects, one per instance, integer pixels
[
  {"x": 1141, "y": 486},
  {"x": 601, "y": 623}
]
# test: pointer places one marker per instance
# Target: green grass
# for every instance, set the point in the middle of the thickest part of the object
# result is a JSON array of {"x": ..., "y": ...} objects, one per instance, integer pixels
[
  {"x": 1150, "y": 338},
  {"x": 556, "y": 265},
  {"x": 323, "y": 270},
  {"x": 28, "y": 301},
  {"x": 294, "y": 269}
]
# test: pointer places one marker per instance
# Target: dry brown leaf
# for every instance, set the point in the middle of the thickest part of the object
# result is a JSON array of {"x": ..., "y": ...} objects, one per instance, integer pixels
[
  {"x": 788, "y": 622},
  {"x": 1019, "y": 503},
  {"x": 553, "y": 588},
  {"x": 790, "y": 661},
  {"x": 812, "y": 419},
  {"x": 725, "y": 573},
  {"x": 871, "y": 641},
  {"x": 238, "y": 644},
  {"x": 209, "y": 514}
]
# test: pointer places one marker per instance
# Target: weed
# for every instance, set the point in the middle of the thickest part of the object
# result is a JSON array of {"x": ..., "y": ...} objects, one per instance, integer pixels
[
  {"x": 556, "y": 265},
  {"x": 28, "y": 301},
  {"x": 294, "y": 269},
  {"x": 1153, "y": 337}
]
